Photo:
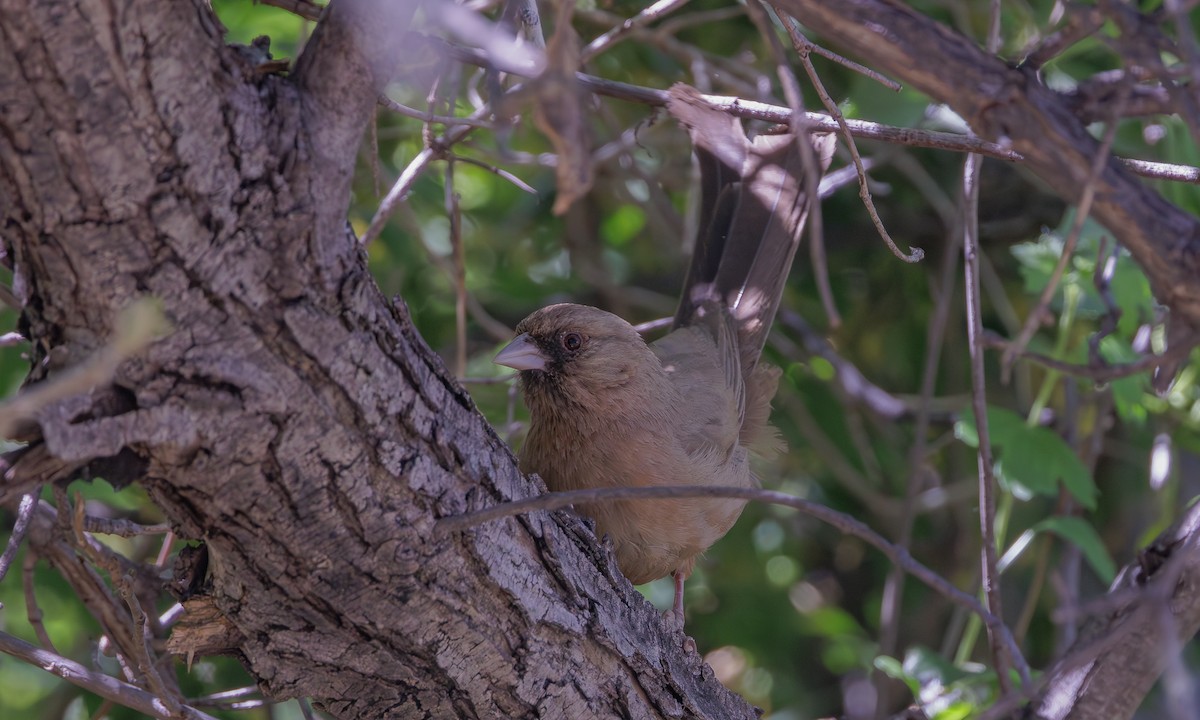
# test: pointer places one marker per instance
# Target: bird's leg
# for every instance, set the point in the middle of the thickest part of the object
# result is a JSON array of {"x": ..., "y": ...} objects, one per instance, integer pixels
[
  {"x": 676, "y": 611},
  {"x": 677, "y": 607}
]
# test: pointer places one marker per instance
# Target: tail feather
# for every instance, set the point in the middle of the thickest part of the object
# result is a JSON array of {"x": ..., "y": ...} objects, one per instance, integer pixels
[{"x": 754, "y": 205}]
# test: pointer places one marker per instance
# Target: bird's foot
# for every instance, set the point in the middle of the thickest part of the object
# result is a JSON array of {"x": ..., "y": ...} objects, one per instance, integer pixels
[{"x": 675, "y": 620}]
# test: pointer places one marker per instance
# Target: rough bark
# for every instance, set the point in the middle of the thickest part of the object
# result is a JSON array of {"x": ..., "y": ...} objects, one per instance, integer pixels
[
  {"x": 1153, "y": 609},
  {"x": 293, "y": 419}
]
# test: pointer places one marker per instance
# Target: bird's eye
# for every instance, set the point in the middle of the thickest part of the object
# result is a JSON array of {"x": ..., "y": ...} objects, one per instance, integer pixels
[{"x": 572, "y": 341}]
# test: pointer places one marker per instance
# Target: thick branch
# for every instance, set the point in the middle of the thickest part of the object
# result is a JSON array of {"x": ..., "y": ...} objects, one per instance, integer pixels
[
  {"x": 1011, "y": 105},
  {"x": 1123, "y": 649},
  {"x": 314, "y": 439},
  {"x": 344, "y": 67}
]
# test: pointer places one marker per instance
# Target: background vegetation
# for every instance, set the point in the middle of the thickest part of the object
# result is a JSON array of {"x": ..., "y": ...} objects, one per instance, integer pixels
[{"x": 791, "y": 614}]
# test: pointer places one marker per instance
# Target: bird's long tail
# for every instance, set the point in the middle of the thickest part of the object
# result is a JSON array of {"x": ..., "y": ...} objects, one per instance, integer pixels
[{"x": 755, "y": 198}]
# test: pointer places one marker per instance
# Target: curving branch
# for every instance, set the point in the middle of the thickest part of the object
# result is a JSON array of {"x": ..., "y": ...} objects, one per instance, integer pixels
[
  {"x": 343, "y": 69},
  {"x": 1011, "y": 106}
]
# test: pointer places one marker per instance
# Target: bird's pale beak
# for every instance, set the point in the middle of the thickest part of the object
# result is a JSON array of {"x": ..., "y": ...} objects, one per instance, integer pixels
[{"x": 521, "y": 354}]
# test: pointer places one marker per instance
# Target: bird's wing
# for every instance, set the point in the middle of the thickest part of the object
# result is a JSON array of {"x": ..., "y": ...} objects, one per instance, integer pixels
[{"x": 703, "y": 364}]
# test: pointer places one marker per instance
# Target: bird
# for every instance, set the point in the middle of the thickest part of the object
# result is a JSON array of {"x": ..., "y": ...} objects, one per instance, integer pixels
[{"x": 608, "y": 409}]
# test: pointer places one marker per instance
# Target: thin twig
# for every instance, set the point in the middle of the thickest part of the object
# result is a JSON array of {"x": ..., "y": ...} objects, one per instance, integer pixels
[
  {"x": 855, "y": 67},
  {"x": 403, "y": 185},
  {"x": 841, "y": 521},
  {"x": 522, "y": 19},
  {"x": 733, "y": 75},
  {"x": 498, "y": 172},
  {"x": 103, "y": 685},
  {"x": 429, "y": 117},
  {"x": 138, "y": 325},
  {"x": 699, "y": 17},
  {"x": 803, "y": 47},
  {"x": 853, "y": 383},
  {"x": 987, "y": 481},
  {"x": 168, "y": 693},
  {"x": 33, "y": 611},
  {"x": 1177, "y": 684},
  {"x": 1097, "y": 372},
  {"x": 103, "y": 710},
  {"x": 454, "y": 215},
  {"x": 143, "y": 654},
  {"x": 651, "y": 325},
  {"x": 373, "y": 144},
  {"x": 1128, "y": 601},
  {"x": 304, "y": 8},
  {"x": 8, "y": 298},
  {"x": 754, "y": 110},
  {"x": 834, "y": 460},
  {"x": 1081, "y": 22},
  {"x": 122, "y": 527},
  {"x": 306, "y": 709},
  {"x": 798, "y": 125},
  {"x": 1102, "y": 276},
  {"x": 893, "y": 592},
  {"x": 656, "y": 11},
  {"x": 497, "y": 330},
  {"x": 224, "y": 696},
  {"x": 24, "y": 515}
]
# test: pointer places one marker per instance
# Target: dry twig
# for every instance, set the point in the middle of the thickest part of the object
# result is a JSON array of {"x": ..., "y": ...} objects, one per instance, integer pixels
[
  {"x": 841, "y": 521},
  {"x": 103, "y": 685}
]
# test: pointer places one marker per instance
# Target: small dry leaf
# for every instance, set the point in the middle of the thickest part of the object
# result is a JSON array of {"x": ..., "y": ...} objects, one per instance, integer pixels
[{"x": 558, "y": 112}]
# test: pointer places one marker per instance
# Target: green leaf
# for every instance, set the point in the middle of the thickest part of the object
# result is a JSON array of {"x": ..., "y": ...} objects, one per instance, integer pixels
[
  {"x": 1004, "y": 427},
  {"x": 941, "y": 688},
  {"x": 622, "y": 225},
  {"x": 1128, "y": 392},
  {"x": 927, "y": 666},
  {"x": 1034, "y": 458},
  {"x": 1083, "y": 536},
  {"x": 1131, "y": 291},
  {"x": 1042, "y": 458},
  {"x": 893, "y": 668},
  {"x": 1037, "y": 260}
]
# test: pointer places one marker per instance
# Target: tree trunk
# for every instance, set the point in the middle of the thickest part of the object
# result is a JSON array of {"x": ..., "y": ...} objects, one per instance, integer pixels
[{"x": 293, "y": 420}]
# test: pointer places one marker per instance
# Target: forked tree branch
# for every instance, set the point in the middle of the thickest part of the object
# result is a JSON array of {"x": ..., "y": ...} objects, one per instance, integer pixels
[{"x": 1012, "y": 106}]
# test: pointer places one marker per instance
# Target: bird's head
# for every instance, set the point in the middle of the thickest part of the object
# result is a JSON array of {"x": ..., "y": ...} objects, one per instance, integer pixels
[{"x": 576, "y": 353}]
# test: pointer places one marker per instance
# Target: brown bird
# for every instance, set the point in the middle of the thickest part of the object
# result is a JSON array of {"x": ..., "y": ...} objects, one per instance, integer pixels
[{"x": 609, "y": 410}]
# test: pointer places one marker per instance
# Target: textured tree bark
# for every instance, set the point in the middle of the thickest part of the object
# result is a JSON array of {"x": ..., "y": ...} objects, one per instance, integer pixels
[
  {"x": 1153, "y": 610},
  {"x": 293, "y": 420}
]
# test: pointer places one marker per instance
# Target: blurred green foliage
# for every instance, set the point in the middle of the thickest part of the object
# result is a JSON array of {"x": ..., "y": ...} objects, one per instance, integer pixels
[{"x": 787, "y": 611}]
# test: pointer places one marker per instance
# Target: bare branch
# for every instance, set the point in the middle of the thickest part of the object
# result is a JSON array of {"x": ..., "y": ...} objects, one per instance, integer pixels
[
  {"x": 987, "y": 480},
  {"x": 141, "y": 323},
  {"x": 1012, "y": 105},
  {"x": 20, "y": 527},
  {"x": 655, "y": 11},
  {"x": 843, "y": 522},
  {"x": 1099, "y": 372},
  {"x": 754, "y": 110},
  {"x": 105, "y": 686}
]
